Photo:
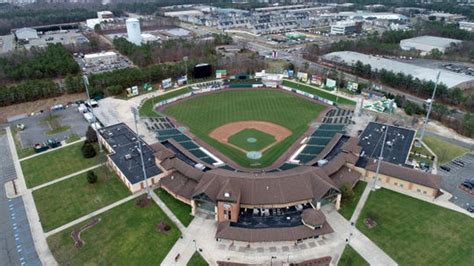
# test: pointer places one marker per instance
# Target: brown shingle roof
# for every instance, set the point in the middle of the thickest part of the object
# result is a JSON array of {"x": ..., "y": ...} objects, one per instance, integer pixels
[
  {"x": 226, "y": 231},
  {"x": 179, "y": 185},
  {"x": 405, "y": 173},
  {"x": 345, "y": 175},
  {"x": 183, "y": 168},
  {"x": 313, "y": 217},
  {"x": 161, "y": 152}
]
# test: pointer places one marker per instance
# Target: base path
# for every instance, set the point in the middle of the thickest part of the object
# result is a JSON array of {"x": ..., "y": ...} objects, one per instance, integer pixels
[{"x": 223, "y": 133}]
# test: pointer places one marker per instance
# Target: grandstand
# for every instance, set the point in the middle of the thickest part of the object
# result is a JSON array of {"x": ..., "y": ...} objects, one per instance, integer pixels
[{"x": 338, "y": 116}]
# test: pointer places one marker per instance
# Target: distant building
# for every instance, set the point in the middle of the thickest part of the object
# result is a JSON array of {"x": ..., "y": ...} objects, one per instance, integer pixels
[
  {"x": 26, "y": 34},
  {"x": 426, "y": 44},
  {"x": 466, "y": 25},
  {"x": 101, "y": 58},
  {"x": 105, "y": 15},
  {"x": 444, "y": 17},
  {"x": 346, "y": 27},
  {"x": 133, "y": 31}
]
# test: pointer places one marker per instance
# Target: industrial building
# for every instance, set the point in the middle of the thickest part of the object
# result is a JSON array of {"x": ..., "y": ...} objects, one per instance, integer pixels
[
  {"x": 133, "y": 31},
  {"x": 101, "y": 58},
  {"x": 466, "y": 25},
  {"x": 346, "y": 27},
  {"x": 426, "y": 44},
  {"x": 25, "y": 34},
  {"x": 449, "y": 78}
]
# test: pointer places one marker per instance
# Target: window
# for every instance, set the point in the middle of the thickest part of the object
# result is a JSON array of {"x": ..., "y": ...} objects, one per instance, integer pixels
[
  {"x": 424, "y": 192},
  {"x": 396, "y": 184},
  {"x": 401, "y": 185},
  {"x": 418, "y": 190}
]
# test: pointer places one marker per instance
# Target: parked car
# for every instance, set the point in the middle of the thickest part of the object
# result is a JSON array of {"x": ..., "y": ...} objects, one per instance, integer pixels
[
  {"x": 470, "y": 209},
  {"x": 468, "y": 183},
  {"x": 458, "y": 163},
  {"x": 445, "y": 168}
]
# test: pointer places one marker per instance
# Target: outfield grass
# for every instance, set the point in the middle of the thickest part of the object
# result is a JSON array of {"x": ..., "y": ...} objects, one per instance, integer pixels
[
  {"x": 350, "y": 257},
  {"x": 444, "y": 150},
  {"x": 318, "y": 92},
  {"x": 414, "y": 232},
  {"x": 55, "y": 164},
  {"x": 70, "y": 199},
  {"x": 202, "y": 114},
  {"x": 240, "y": 139},
  {"x": 348, "y": 207},
  {"x": 146, "y": 109},
  {"x": 126, "y": 235},
  {"x": 180, "y": 209},
  {"x": 197, "y": 260}
]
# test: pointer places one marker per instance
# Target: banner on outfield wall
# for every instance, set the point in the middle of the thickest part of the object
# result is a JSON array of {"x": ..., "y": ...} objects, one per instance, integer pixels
[
  {"x": 302, "y": 76},
  {"x": 317, "y": 80},
  {"x": 352, "y": 86},
  {"x": 133, "y": 91},
  {"x": 330, "y": 83},
  {"x": 221, "y": 74},
  {"x": 290, "y": 73},
  {"x": 166, "y": 83},
  {"x": 182, "y": 80}
]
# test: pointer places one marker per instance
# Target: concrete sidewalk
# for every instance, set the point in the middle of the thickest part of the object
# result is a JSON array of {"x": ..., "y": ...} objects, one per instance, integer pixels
[
  {"x": 361, "y": 203},
  {"x": 92, "y": 214},
  {"x": 41, "y": 245},
  {"x": 362, "y": 244},
  {"x": 66, "y": 177}
]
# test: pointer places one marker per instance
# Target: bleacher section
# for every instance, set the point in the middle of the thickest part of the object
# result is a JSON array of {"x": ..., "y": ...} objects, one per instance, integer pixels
[
  {"x": 187, "y": 143},
  {"x": 156, "y": 123},
  {"x": 338, "y": 116},
  {"x": 317, "y": 141}
]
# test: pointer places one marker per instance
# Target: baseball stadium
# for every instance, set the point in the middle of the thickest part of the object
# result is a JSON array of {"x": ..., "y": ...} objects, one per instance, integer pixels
[{"x": 262, "y": 161}]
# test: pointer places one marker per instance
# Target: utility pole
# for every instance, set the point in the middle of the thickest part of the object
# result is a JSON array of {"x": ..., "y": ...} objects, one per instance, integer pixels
[
  {"x": 429, "y": 108},
  {"x": 380, "y": 158},
  {"x": 85, "y": 80},
  {"x": 135, "y": 118}
]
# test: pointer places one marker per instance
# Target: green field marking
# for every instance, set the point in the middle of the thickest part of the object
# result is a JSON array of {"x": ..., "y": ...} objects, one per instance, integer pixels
[
  {"x": 197, "y": 260},
  {"x": 72, "y": 198},
  {"x": 318, "y": 92},
  {"x": 204, "y": 113},
  {"x": 348, "y": 207},
  {"x": 147, "y": 110},
  {"x": 126, "y": 235},
  {"x": 61, "y": 162},
  {"x": 241, "y": 139},
  {"x": 350, "y": 257},
  {"x": 180, "y": 209},
  {"x": 415, "y": 232}
]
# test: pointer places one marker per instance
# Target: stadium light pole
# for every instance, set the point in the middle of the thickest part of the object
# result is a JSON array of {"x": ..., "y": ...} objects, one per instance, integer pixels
[
  {"x": 380, "y": 158},
  {"x": 135, "y": 119},
  {"x": 85, "y": 80},
  {"x": 430, "y": 106}
]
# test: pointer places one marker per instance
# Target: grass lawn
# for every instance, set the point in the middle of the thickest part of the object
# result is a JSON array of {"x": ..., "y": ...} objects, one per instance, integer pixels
[
  {"x": 22, "y": 152},
  {"x": 318, "y": 92},
  {"x": 70, "y": 199},
  {"x": 55, "y": 164},
  {"x": 348, "y": 207},
  {"x": 202, "y": 114},
  {"x": 73, "y": 137},
  {"x": 350, "y": 257},
  {"x": 147, "y": 108},
  {"x": 197, "y": 260},
  {"x": 126, "y": 235},
  {"x": 414, "y": 232},
  {"x": 444, "y": 150},
  {"x": 180, "y": 209},
  {"x": 262, "y": 139}
]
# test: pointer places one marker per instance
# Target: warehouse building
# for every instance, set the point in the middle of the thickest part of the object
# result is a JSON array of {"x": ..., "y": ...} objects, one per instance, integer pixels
[
  {"x": 346, "y": 28},
  {"x": 26, "y": 34},
  {"x": 466, "y": 25},
  {"x": 101, "y": 58},
  {"x": 426, "y": 44}
]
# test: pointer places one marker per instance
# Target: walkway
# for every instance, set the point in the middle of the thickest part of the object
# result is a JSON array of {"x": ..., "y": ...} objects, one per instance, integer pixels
[
  {"x": 38, "y": 237},
  {"x": 361, "y": 203},
  {"x": 92, "y": 214},
  {"x": 66, "y": 177},
  {"x": 51, "y": 150},
  {"x": 363, "y": 245}
]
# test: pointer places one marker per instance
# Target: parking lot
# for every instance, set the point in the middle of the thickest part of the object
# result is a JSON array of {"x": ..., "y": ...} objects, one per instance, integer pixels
[
  {"x": 36, "y": 129},
  {"x": 451, "y": 181}
]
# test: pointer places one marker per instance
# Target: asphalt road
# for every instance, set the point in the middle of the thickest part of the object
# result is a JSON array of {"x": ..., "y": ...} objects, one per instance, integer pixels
[{"x": 16, "y": 243}]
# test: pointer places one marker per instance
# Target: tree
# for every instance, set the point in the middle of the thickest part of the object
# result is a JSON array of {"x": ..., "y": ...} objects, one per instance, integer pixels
[
  {"x": 88, "y": 150},
  {"x": 91, "y": 177},
  {"x": 347, "y": 193},
  {"x": 97, "y": 27},
  {"x": 91, "y": 135}
]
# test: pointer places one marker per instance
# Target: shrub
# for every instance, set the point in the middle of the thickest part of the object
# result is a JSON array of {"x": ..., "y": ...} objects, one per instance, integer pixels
[
  {"x": 88, "y": 150},
  {"x": 91, "y": 135},
  {"x": 91, "y": 177},
  {"x": 347, "y": 193}
]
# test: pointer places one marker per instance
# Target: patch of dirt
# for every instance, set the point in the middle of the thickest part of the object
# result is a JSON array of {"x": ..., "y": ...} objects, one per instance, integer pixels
[
  {"x": 370, "y": 223},
  {"x": 163, "y": 227},
  {"x": 36, "y": 106},
  {"x": 143, "y": 202},
  {"x": 76, "y": 234},
  {"x": 223, "y": 133}
]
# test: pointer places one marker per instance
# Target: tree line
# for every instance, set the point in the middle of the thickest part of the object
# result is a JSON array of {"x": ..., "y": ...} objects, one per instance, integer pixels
[{"x": 37, "y": 63}]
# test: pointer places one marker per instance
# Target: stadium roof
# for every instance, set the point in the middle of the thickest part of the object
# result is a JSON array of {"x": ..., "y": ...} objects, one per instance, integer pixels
[
  {"x": 432, "y": 40},
  {"x": 449, "y": 78}
]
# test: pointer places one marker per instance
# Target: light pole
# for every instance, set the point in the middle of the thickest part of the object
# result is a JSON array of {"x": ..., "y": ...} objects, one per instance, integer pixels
[
  {"x": 380, "y": 158},
  {"x": 85, "y": 80},
  {"x": 185, "y": 59},
  {"x": 429, "y": 108},
  {"x": 135, "y": 115}
]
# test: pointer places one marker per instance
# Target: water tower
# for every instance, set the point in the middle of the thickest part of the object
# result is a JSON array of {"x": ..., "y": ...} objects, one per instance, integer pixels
[{"x": 133, "y": 31}]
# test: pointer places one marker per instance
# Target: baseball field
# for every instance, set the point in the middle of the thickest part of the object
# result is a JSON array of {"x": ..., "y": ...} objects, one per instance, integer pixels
[{"x": 236, "y": 122}]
